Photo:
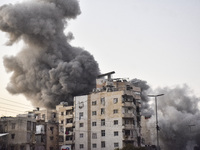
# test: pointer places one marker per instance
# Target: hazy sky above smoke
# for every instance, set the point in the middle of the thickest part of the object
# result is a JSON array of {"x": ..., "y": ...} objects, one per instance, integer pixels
[{"x": 157, "y": 41}]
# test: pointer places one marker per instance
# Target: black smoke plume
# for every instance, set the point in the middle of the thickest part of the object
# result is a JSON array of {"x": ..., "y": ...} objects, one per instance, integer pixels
[
  {"x": 48, "y": 69},
  {"x": 146, "y": 110}
]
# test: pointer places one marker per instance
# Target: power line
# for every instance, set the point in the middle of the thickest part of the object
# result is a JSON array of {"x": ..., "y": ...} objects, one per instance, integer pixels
[
  {"x": 12, "y": 105},
  {"x": 8, "y": 109},
  {"x": 15, "y": 102}
]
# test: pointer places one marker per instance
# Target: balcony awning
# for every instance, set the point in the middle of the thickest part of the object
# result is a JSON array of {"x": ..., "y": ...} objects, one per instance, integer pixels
[{"x": 3, "y": 134}]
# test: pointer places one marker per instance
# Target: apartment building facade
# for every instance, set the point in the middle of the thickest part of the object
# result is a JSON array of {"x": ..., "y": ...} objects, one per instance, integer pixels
[
  {"x": 82, "y": 122},
  {"x": 46, "y": 135},
  {"x": 47, "y": 129},
  {"x": 65, "y": 118},
  {"x": 21, "y": 132},
  {"x": 109, "y": 117}
]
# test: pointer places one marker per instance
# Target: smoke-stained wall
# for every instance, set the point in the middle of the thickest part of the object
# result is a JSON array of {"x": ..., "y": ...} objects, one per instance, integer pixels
[{"x": 48, "y": 69}]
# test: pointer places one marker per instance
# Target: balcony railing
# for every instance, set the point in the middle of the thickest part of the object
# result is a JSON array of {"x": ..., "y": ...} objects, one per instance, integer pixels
[{"x": 128, "y": 115}]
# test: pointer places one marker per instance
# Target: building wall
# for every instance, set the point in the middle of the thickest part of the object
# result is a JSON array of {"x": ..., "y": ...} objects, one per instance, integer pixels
[
  {"x": 65, "y": 117},
  {"x": 109, "y": 117},
  {"x": 21, "y": 132},
  {"x": 81, "y": 132},
  {"x": 47, "y": 130},
  {"x": 52, "y": 136},
  {"x": 145, "y": 132},
  {"x": 109, "y": 102}
]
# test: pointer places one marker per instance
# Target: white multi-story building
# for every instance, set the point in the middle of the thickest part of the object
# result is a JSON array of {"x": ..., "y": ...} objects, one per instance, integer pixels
[
  {"x": 82, "y": 122},
  {"x": 109, "y": 117}
]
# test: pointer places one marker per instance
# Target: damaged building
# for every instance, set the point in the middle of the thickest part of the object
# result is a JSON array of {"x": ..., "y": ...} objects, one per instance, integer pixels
[
  {"x": 21, "y": 131},
  {"x": 108, "y": 117}
]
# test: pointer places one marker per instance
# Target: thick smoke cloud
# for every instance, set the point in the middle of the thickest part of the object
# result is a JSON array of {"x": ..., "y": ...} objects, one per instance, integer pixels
[
  {"x": 178, "y": 115},
  {"x": 179, "y": 118},
  {"x": 48, "y": 69},
  {"x": 146, "y": 110}
]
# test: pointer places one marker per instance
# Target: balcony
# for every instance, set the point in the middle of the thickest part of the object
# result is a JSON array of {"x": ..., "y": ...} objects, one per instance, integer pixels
[
  {"x": 69, "y": 116},
  {"x": 128, "y": 126},
  {"x": 69, "y": 125},
  {"x": 128, "y": 115},
  {"x": 128, "y": 138},
  {"x": 129, "y": 104},
  {"x": 70, "y": 142}
]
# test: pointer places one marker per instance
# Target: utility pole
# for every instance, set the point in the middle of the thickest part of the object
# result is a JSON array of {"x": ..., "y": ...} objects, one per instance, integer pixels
[{"x": 157, "y": 127}]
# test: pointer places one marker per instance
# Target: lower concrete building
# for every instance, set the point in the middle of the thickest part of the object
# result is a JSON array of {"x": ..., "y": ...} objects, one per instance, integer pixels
[
  {"x": 46, "y": 135},
  {"x": 21, "y": 132}
]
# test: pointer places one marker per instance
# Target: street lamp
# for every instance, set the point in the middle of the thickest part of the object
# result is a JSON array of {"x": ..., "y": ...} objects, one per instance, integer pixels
[{"x": 157, "y": 127}]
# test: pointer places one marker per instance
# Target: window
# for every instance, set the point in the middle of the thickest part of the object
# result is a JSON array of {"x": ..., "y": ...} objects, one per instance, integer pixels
[
  {"x": 28, "y": 125},
  {"x": 43, "y": 116},
  {"x": 94, "y": 135},
  {"x": 103, "y": 133},
  {"x": 115, "y": 100},
  {"x": 51, "y": 138},
  {"x": 81, "y": 146},
  {"x": 69, "y": 120},
  {"x": 115, "y": 122},
  {"x": 12, "y": 136},
  {"x": 51, "y": 128},
  {"x": 103, "y": 122},
  {"x": 115, "y": 133},
  {"x": 102, "y": 111},
  {"x": 81, "y": 105},
  {"x": 62, "y": 113},
  {"x": 94, "y": 123},
  {"x": 80, "y": 115},
  {"x": 69, "y": 112},
  {"x": 13, "y": 125},
  {"x": 53, "y": 115},
  {"x": 125, "y": 110},
  {"x": 115, "y": 111},
  {"x": 94, "y": 113},
  {"x": 22, "y": 147},
  {"x": 68, "y": 138},
  {"x": 103, "y": 101},
  {"x": 94, "y": 103},
  {"x": 127, "y": 121},
  {"x": 51, "y": 148},
  {"x": 103, "y": 144},
  {"x": 81, "y": 135},
  {"x": 94, "y": 145},
  {"x": 61, "y": 138},
  {"x": 116, "y": 144},
  {"x": 127, "y": 132},
  {"x": 61, "y": 121},
  {"x": 12, "y": 147},
  {"x": 81, "y": 125}
]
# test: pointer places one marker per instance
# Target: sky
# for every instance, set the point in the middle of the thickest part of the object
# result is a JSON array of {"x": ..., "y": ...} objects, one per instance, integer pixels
[{"x": 153, "y": 40}]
